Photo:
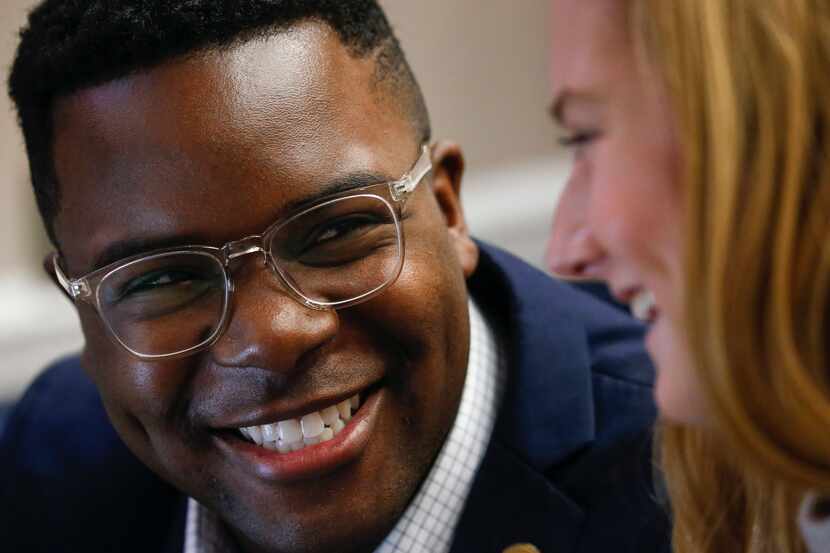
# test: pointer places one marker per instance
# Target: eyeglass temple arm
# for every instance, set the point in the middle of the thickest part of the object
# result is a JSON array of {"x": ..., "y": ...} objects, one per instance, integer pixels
[
  {"x": 403, "y": 188},
  {"x": 74, "y": 290}
]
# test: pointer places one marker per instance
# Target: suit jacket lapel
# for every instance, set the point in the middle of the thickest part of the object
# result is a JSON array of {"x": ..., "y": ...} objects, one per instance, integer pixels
[
  {"x": 547, "y": 411},
  {"x": 176, "y": 533},
  {"x": 547, "y": 414},
  {"x": 513, "y": 503}
]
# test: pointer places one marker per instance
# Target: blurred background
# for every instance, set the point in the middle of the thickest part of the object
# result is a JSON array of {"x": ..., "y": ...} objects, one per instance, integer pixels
[{"x": 483, "y": 67}]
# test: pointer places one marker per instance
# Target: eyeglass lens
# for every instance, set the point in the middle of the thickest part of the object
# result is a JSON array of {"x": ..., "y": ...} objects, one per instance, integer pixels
[{"x": 164, "y": 304}]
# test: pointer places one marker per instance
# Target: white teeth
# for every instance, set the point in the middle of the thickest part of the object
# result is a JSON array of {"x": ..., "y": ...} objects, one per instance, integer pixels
[
  {"x": 330, "y": 415},
  {"x": 643, "y": 306},
  {"x": 312, "y": 425},
  {"x": 310, "y": 429},
  {"x": 269, "y": 432},
  {"x": 255, "y": 433},
  {"x": 345, "y": 408},
  {"x": 290, "y": 431}
]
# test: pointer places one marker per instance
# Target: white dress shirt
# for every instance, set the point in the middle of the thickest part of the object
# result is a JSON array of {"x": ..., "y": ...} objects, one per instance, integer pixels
[{"x": 816, "y": 531}]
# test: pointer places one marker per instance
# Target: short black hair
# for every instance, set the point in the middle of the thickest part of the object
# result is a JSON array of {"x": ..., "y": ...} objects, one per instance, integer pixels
[{"x": 69, "y": 45}]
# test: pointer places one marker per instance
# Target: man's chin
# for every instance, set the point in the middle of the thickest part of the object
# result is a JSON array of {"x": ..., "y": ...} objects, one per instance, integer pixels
[
  {"x": 351, "y": 507},
  {"x": 354, "y": 532}
]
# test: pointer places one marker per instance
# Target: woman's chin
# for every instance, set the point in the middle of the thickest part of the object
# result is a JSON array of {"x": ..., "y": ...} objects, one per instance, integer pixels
[
  {"x": 677, "y": 390},
  {"x": 679, "y": 403}
]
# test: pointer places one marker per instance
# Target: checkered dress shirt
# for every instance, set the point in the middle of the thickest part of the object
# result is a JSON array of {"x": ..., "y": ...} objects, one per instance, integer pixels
[
  {"x": 814, "y": 529},
  {"x": 428, "y": 524}
]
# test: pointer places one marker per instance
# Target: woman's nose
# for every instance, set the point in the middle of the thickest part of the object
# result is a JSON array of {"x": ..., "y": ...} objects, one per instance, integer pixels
[
  {"x": 575, "y": 256},
  {"x": 573, "y": 250}
]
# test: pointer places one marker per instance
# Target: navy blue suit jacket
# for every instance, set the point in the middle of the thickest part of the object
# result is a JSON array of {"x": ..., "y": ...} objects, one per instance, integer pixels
[{"x": 568, "y": 468}]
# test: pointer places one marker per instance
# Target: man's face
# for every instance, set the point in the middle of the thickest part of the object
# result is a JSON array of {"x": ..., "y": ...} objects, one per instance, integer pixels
[{"x": 213, "y": 148}]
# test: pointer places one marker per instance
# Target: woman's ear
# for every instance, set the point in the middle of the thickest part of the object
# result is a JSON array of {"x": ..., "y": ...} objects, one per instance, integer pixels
[{"x": 447, "y": 171}]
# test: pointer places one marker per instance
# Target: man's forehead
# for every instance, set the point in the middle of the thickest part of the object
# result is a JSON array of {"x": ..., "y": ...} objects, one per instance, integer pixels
[
  {"x": 242, "y": 85},
  {"x": 215, "y": 131}
]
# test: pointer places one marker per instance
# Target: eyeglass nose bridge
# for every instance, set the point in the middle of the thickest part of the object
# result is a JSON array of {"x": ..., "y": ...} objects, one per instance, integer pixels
[
  {"x": 255, "y": 244},
  {"x": 245, "y": 246}
]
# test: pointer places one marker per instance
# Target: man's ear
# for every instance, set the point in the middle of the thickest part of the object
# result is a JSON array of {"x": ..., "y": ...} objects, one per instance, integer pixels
[
  {"x": 49, "y": 267},
  {"x": 447, "y": 171}
]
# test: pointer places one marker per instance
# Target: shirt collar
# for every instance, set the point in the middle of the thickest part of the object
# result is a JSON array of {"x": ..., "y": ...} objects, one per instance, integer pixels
[
  {"x": 815, "y": 527},
  {"x": 429, "y": 522}
]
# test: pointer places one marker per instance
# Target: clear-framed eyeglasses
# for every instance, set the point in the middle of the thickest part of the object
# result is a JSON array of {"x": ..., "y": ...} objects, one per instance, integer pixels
[{"x": 343, "y": 250}]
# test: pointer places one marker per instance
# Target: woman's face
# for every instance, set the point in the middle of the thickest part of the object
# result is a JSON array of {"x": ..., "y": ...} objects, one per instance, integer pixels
[{"x": 620, "y": 218}]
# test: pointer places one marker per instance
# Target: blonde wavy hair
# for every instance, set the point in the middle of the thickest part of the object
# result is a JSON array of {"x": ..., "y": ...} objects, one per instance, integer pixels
[{"x": 750, "y": 84}]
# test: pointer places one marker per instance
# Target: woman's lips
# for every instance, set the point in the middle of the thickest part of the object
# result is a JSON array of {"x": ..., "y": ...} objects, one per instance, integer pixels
[
  {"x": 311, "y": 461},
  {"x": 644, "y": 306}
]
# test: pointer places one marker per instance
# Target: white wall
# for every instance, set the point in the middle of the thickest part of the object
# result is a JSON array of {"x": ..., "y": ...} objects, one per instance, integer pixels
[
  {"x": 481, "y": 64},
  {"x": 483, "y": 67}
]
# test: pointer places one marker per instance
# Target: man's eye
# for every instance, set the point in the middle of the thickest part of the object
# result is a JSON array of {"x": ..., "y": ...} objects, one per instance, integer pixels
[
  {"x": 157, "y": 280},
  {"x": 341, "y": 228}
]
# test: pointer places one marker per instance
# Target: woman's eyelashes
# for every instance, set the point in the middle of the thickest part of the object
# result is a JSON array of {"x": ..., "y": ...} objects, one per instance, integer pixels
[{"x": 577, "y": 139}]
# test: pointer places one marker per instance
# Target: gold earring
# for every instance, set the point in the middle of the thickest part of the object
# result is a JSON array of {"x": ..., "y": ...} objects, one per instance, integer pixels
[{"x": 522, "y": 548}]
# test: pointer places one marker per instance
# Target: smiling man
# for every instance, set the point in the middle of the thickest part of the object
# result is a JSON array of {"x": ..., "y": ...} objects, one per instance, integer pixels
[{"x": 271, "y": 268}]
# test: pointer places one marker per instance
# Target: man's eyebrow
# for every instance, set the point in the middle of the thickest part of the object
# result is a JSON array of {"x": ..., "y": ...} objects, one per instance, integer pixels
[
  {"x": 124, "y": 249},
  {"x": 337, "y": 185}
]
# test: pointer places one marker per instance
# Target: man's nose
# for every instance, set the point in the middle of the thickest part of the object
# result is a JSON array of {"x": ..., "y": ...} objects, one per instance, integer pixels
[
  {"x": 573, "y": 251},
  {"x": 270, "y": 329}
]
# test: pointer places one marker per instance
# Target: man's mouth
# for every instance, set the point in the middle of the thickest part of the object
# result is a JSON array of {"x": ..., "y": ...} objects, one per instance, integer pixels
[
  {"x": 306, "y": 445},
  {"x": 310, "y": 429}
]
